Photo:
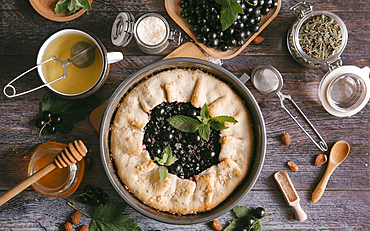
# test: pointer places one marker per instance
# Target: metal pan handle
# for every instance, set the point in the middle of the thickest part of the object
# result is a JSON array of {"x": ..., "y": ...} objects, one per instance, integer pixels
[
  {"x": 13, "y": 90},
  {"x": 322, "y": 144}
]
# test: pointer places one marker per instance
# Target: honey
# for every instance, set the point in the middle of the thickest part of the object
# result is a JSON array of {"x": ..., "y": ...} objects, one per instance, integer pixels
[{"x": 59, "y": 182}]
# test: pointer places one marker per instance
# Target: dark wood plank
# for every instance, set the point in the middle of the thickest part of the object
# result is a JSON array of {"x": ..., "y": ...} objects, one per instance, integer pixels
[{"x": 344, "y": 205}]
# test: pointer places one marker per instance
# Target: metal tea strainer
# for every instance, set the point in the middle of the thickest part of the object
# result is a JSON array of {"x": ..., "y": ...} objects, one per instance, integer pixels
[
  {"x": 82, "y": 55},
  {"x": 267, "y": 79}
]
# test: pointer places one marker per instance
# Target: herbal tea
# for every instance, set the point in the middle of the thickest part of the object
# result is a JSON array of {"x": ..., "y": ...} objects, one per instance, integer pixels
[
  {"x": 78, "y": 79},
  {"x": 320, "y": 37}
]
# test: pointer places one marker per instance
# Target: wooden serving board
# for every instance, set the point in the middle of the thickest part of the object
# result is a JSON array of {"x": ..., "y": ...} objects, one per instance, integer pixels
[
  {"x": 173, "y": 10},
  {"x": 188, "y": 50}
]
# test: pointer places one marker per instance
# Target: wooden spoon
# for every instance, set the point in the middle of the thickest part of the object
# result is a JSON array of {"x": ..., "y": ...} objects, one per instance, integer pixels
[
  {"x": 74, "y": 152},
  {"x": 338, "y": 154}
]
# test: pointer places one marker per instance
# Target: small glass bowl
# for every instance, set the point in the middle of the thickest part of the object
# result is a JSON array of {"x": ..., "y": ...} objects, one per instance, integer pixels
[{"x": 70, "y": 177}]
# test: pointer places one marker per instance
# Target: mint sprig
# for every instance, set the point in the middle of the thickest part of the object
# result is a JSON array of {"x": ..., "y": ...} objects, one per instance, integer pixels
[
  {"x": 203, "y": 124},
  {"x": 167, "y": 159},
  {"x": 229, "y": 12}
]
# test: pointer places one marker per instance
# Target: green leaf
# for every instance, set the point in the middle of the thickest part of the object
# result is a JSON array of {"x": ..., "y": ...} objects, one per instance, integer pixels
[
  {"x": 61, "y": 6},
  {"x": 72, "y": 5},
  {"x": 243, "y": 211},
  {"x": 160, "y": 161},
  {"x": 163, "y": 173},
  {"x": 110, "y": 218},
  {"x": 229, "y": 12},
  {"x": 184, "y": 123},
  {"x": 204, "y": 112},
  {"x": 204, "y": 130},
  {"x": 71, "y": 110},
  {"x": 170, "y": 160},
  {"x": 218, "y": 123}
]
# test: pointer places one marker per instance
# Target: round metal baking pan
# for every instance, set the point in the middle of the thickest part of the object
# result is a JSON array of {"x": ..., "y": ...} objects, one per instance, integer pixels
[{"x": 258, "y": 129}]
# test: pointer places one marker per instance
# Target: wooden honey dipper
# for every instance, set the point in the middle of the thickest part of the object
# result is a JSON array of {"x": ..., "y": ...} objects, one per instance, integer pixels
[{"x": 74, "y": 152}]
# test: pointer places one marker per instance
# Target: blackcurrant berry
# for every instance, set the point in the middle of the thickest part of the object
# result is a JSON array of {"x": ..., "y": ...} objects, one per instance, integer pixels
[
  {"x": 192, "y": 20},
  {"x": 57, "y": 119},
  {"x": 47, "y": 115},
  {"x": 223, "y": 46},
  {"x": 231, "y": 42},
  {"x": 201, "y": 39},
  {"x": 98, "y": 191},
  {"x": 40, "y": 122},
  {"x": 184, "y": 4},
  {"x": 265, "y": 10},
  {"x": 88, "y": 189},
  {"x": 259, "y": 212},
  {"x": 51, "y": 128},
  {"x": 213, "y": 43},
  {"x": 212, "y": 35},
  {"x": 184, "y": 14},
  {"x": 248, "y": 221},
  {"x": 255, "y": 28}
]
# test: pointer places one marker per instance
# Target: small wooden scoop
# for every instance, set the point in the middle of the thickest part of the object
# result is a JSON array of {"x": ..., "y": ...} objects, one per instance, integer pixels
[
  {"x": 290, "y": 194},
  {"x": 74, "y": 152},
  {"x": 338, "y": 154}
]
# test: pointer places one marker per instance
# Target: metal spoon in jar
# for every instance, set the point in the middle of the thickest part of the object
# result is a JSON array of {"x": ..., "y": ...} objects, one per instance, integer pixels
[{"x": 267, "y": 79}]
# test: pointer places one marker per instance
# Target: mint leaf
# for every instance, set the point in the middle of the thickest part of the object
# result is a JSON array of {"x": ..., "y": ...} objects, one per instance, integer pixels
[
  {"x": 72, "y": 5},
  {"x": 71, "y": 110},
  {"x": 170, "y": 160},
  {"x": 160, "y": 161},
  {"x": 167, "y": 159},
  {"x": 110, "y": 217},
  {"x": 204, "y": 112},
  {"x": 184, "y": 123},
  {"x": 204, "y": 130},
  {"x": 61, "y": 6},
  {"x": 218, "y": 123},
  {"x": 163, "y": 173},
  {"x": 229, "y": 12}
]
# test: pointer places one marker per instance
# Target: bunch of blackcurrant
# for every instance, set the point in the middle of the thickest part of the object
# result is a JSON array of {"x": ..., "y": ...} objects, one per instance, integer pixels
[
  {"x": 205, "y": 19},
  {"x": 48, "y": 121},
  {"x": 93, "y": 196}
]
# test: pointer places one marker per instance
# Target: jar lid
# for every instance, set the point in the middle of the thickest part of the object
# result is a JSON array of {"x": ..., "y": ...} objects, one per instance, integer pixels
[
  {"x": 345, "y": 90},
  {"x": 122, "y": 29}
]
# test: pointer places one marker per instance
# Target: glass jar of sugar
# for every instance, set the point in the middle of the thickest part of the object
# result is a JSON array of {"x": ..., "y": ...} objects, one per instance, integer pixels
[{"x": 151, "y": 32}]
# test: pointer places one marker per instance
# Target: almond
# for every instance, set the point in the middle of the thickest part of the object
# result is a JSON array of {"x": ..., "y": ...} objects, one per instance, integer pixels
[
  {"x": 68, "y": 226},
  {"x": 258, "y": 39},
  {"x": 292, "y": 166},
  {"x": 321, "y": 159},
  {"x": 216, "y": 225},
  {"x": 285, "y": 137},
  {"x": 84, "y": 228},
  {"x": 75, "y": 218}
]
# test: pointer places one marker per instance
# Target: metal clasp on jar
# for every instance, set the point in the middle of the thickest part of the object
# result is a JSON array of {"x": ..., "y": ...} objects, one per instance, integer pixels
[
  {"x": 301, "y": 9},
  {"x": 175, "y": 38}
]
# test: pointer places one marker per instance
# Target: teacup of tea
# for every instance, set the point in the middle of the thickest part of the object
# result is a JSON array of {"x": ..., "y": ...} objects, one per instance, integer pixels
[{"x": 80, "y": 57}]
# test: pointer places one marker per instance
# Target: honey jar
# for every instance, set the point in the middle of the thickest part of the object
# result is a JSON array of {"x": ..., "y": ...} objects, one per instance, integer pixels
[{"x": 59, "y": 182}]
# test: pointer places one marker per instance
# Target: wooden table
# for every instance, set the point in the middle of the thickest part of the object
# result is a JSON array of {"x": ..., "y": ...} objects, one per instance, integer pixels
[{"x": 345, "y": 204}]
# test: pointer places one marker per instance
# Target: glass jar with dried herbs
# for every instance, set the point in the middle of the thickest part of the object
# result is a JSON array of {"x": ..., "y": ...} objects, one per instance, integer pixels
[{"x": 317, "y": 38}]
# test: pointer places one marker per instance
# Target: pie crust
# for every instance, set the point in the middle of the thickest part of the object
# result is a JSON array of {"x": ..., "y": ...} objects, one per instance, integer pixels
[{"x": 138, "y": 171}]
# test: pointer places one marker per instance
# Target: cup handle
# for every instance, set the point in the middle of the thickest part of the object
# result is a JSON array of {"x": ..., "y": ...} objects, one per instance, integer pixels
[{"x": 114, "y": 57}]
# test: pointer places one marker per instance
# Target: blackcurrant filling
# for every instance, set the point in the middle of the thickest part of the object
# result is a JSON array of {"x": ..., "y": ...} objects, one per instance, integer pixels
[{"x": 194, "y": 153}]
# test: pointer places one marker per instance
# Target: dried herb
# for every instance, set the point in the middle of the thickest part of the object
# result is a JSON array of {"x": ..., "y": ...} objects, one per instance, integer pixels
[{"x": 320, "y": 36}]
